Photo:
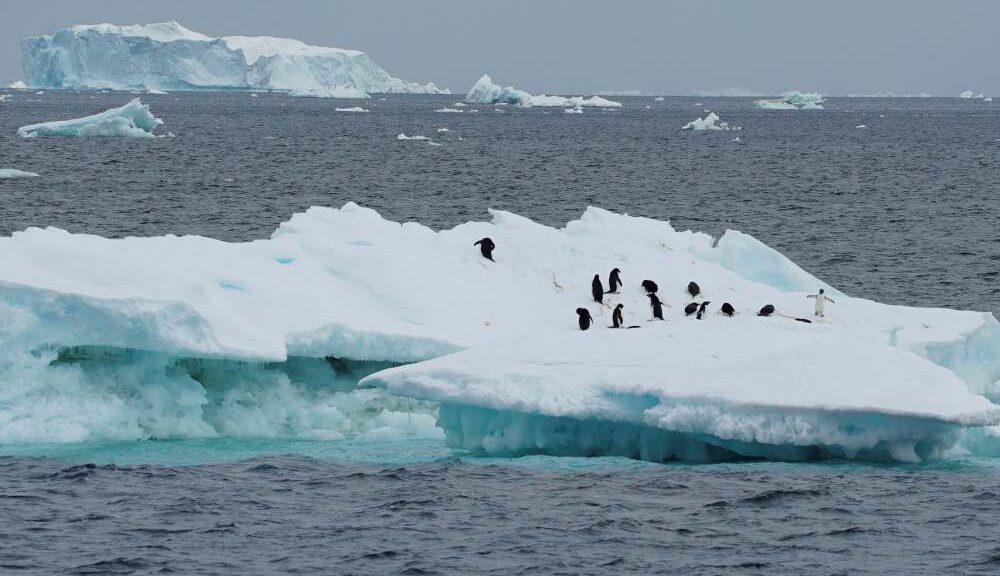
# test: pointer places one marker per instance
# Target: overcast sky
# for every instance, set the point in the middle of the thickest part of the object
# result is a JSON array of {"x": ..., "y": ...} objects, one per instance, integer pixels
[{"x": 656, "y": 46}]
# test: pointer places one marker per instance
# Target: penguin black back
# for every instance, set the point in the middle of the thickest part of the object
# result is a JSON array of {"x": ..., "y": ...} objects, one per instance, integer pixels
[
  {"x": 702, "y": 309},
  {"x": 694, "y": 289},
  {"x": 616, "y": 316},
  {"x": 690, "y": 308},
  {"x": 767, "y": 310},
  {"x": 486, "y": 246},
  {"x": 654, "y": 302},
  {"x": 728, "y": 309},
  {"x": 583, "y": 317},
  {"x": 649, "y": 286},
  {"x": 597, "y": 290},
  {"x": 614, "y": 281}
]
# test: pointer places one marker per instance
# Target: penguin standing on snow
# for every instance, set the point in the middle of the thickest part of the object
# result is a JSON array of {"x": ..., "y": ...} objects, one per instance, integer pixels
[
  {"x": 597, "y": 289},
  {"x": 649, "y": 286},
  {"x": 702, "y": 309},
  {"x": 690, "y": 308},
  {"x": 616, "y": 316},
  {"x": 657, "y": 306},
  {"x": 728, "y": 310},
  {"x": 584, "y": 318},
  {"x": 486, "y": 246},
  {"x": 614, "y": 281},
  {"x": 694, "y": 289},
  {"x": 821, "y": 300}
]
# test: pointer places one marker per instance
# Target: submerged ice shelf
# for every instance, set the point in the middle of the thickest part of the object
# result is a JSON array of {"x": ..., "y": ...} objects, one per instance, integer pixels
[{"x": 492, "y": 354}]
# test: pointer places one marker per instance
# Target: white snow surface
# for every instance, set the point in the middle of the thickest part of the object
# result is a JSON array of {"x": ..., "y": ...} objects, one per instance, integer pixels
[
  {"x": 709, "y": 122},
  {"x": 132, "y": 120},
  {"x": 11, "y": 173},
  {"x": 484, "y": 91},
  {"x": 168, "y": 56},
  {"x": 496, "y": 344}
]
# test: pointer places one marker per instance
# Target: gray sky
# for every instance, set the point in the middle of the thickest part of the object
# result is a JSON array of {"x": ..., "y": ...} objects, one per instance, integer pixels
[{"x": 657, "y": 46}]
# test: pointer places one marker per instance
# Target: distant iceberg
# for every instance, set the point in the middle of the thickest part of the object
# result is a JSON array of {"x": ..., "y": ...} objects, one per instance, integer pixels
[
  {"x": 484, "y": 91},
  {"x": 971, "y": 94},
  {"x": 133, "y": 120},
  {"x": 168, "y": 56},
  {"x": 10, "y": 173},
  {"x": 793, "y": 100},
  {"x": 709, "y": 122}
]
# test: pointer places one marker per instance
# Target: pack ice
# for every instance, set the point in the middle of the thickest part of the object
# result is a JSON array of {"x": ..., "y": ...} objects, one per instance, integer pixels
[
  {"x": 345, "y": 324},
  {"x": 168, "y": 56},
  {"x": 484, "y": 91}
]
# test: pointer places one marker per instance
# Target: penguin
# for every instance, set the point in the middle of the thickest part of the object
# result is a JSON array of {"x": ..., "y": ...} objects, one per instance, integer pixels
[
  {"x": 702, "y": 309},
  {"x": 597, "y": 289},
  {"x": 584, "y": 318},
  {"x": 694, "y": 289},
  {"x": 728, "y": 310},
  {"x": 766, "y": 310},
  {"x": 649, "y": 286},
  {"x": 614, "y": 281},
  {"x": 654, "y": 301},
  {"x": 690, "y": 308},
  {"x": 486, "y": 246},
  {"x": 616, "y": 316}
]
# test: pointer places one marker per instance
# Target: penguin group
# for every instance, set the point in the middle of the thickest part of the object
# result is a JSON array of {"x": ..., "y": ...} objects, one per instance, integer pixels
[{"x": 651, "y": 289}]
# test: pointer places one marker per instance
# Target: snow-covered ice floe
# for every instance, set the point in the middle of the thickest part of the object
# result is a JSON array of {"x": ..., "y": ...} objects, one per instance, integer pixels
[
  {"x": 484, "y": 91},
  {"x": 338, "y": 325},
  {"x": 133, "y": 120},
  {"x": 168, "y": 56},
  {"x": 709, "y": 122},
  {"x": 793, "y": 100},
  {"x": 11, "y": 173}
]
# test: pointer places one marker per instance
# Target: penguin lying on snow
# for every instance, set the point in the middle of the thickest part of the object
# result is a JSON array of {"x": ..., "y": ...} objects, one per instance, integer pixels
[
  {"x": 486, "y": 246},
  {"x": 767, "y": 310},
  {"x": 728, "y": 310},
  {"x": 694, "y": 289},
  {"x": 649, "y": 286},
  {"x": 690, "y": 308},
  {"x": 614, "y": 281},
  {"x": 584, "y": 318}
]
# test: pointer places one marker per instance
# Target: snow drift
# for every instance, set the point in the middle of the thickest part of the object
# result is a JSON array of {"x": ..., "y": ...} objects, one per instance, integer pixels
[
  {"x": 484, "y": 91},
  {"x": 793, "y": 100},
  {"x": 168, "y": 56},
  {"x": 339, "y": 326},
  {"x": 133, "y": 120}
]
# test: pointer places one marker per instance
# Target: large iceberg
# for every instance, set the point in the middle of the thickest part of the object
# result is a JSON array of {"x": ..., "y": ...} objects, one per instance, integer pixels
[
  {"x": 484, "y": 91},
  {"x": 133, "y": 120},
  {"x": 168, "y": 56},
  {"x": 793, "y": 100},
  {"x": 344, "y": 324}
]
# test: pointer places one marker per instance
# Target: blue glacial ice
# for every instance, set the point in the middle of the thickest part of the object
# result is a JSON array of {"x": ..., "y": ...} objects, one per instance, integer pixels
[
  {"x": 337, "y": 327},
  {"x": 168, "y": 56},
  {"x": 133, "y": 120}
]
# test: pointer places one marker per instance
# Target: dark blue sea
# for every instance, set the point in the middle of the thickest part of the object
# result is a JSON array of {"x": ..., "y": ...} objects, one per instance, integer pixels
[{"x": 904, "y": 210}]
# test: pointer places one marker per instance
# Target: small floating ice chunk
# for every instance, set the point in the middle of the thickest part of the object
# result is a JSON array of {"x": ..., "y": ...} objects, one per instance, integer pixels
[
  {"x": 793, "y": 100},
  {"x": 449, "y": 110},
  {"x": 988, "y": 99},
  {"x": 971, "y": 94},
  {"x": 10, "y": 173},
  {"x": 133, "y": 120},
  {"x": 709, "y": 122},
  {"x": 861, "y": 126},
  {"x": 459, "y": 104},
  {"x": 18, "y": 85},
  {"x": 658, "y": 99},
  {"x": 156, "y": 92},
  {"x": 4, "y": 97},
  {"x": 253, "y": 95},
  {"x": 402, "y": 136},
  {"x": 352, "y": 109},
  {"x": 576, "y": 110},
  {"x": 443, "y": 129},
  {"x": 332, "y": 92}
]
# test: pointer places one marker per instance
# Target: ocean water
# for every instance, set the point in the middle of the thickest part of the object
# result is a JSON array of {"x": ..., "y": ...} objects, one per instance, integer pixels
[{"x": 902, "y": 211}]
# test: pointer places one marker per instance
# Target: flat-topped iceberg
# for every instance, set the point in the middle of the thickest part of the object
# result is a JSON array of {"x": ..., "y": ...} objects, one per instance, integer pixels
[
  {"x": 343, "y": 314},
  {"x": 793, "y": 100},
  {"x": 133, "y": 120},
  {"x": 168, "y": 56},
  {"x": 484, "y": 91}
]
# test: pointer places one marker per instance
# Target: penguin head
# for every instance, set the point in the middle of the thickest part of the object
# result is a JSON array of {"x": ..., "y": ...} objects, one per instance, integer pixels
[
  {"x": 615, "y": 271},
  {"x": 583, "y": 312},
  {"x": 705, "y": 304},
  {"x": 820, "y": 290},
  {"x": 619, "y": 306}
]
